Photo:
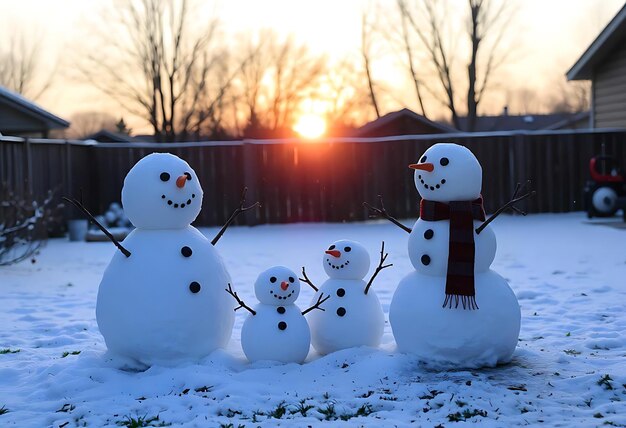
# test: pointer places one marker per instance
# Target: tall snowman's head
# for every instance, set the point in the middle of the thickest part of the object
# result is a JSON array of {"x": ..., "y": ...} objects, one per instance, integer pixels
[
  {"x": 277, "y": 286},
  {"x": 161, "y": 192},
  {"x": 448, "y": 172},
  {"x": 346, "y": 260}
]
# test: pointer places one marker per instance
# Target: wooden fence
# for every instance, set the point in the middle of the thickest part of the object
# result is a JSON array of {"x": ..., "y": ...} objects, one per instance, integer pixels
[{"x": 323, "y": 181}]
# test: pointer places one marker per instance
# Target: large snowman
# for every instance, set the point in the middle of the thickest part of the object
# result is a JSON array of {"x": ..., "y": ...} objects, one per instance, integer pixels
[
  {"x": 166, "y": 300},
  {"x": 276, "y": 329},
  {"x": 353, "y": 316},
  {"x": 453, "y": 310}
]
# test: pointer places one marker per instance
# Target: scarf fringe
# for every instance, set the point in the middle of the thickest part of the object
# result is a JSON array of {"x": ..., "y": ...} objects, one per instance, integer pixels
[{"x": 468, "y": 302}]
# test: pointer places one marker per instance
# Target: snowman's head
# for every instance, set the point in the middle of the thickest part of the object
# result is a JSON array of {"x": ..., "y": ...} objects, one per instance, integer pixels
[
  {"x": 346, "y": 260},
  {"x": 448, "y": 172},
  {"x": 161, "y": 192},
  {"x": 277, "y": 286}
]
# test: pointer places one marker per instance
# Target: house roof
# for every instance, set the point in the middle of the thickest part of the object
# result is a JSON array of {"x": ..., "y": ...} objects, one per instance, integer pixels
[
  {"x": 31, "y": 109},
  {"x": 104, "y": 135},
  {"x": 387, "y": 119},
  {"x": 527, "y": 122},
  {"x": 611, "y": 36}
]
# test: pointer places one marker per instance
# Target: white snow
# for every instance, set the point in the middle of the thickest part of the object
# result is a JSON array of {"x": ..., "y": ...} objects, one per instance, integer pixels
[{"x": 568, "y": 273}]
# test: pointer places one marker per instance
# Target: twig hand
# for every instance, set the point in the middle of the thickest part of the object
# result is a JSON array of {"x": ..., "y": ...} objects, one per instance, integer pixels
[
  {"x": 230, "y": 291},
  {"x": 383, "y": 257},
  {"x": 306, "y": 280},
  {"x": 509, "y": 205},
  {"x": 321, "y": 299},
  {"x": 240, "y": 209},
  {"x": 380, "y": 211}
]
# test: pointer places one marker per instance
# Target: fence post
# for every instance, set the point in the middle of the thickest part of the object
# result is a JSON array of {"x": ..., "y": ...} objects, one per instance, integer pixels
[
  {"x": 29, "y": 167},
  {"x": 250, "y": 180}
]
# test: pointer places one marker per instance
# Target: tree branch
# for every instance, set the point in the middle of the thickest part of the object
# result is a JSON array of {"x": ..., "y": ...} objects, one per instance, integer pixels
[
  {"x": 240, "y": 209},
  {"x": 230, "y": 291},
  {"x": 317, "y": 304},
  {"x": 383, "y": 257},
  {"x": 381, "y": 212}
]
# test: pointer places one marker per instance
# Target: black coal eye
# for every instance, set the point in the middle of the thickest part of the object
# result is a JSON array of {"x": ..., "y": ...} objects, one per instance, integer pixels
[
  {"x": 444, "y": 161},
  {"x": 273, "y": 279},
  {"x": 332, "y": 247},
  {"x": 188, "y": 176},
  {"x": 165, "y": 176},
  {"x": 291, "y": 279},
  {"x": 423, "y": 159},
  {"x": 347, "y": 249}
]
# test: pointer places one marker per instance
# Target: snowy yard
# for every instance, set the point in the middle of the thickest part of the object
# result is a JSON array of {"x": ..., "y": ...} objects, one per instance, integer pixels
[{"x": 568, "y": 370}]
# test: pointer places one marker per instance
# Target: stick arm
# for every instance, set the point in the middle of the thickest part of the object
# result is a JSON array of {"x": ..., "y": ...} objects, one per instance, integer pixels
[
  {"x": 509, "y": 205},
  {"x": 383, "y": 257},
  {"x": 240, "y": 209},
  {"x": 306, "y": 280},
  {"x": 321, "y": 299},
  {"x": 230, "y": 291},
  {"x": 380, "y": 211}
]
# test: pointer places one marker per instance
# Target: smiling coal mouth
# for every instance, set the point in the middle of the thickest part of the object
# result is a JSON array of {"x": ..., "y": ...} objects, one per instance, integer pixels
[
  {"x": 428, "y": 186},
  {"x": 282, "y": 297},
  {"x": 178, "y": 204},
  {"x": 337, "y": 266}
]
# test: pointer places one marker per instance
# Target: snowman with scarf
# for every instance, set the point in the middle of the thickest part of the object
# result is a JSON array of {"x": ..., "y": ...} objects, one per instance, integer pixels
[{"x": 453, "y": 310}]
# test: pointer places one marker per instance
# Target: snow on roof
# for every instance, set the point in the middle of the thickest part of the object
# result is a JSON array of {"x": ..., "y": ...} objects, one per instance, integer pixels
[{"x": 32, "y": 109}]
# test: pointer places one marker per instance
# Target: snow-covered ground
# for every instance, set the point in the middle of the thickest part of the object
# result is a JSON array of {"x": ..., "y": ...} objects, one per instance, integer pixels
[{"x": 568, "y": 370}]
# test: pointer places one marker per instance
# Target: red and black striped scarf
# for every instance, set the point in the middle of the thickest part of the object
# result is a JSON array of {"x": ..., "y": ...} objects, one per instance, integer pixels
[{"x": 460, "y": 275}]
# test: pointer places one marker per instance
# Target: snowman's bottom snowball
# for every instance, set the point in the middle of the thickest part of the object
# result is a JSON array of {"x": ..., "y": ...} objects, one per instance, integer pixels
[
  {"x": 146, "y": 310},
  {"x": 361, "y": 324},
  {"x": 262, "y": 338},
  {"x": 455, "y": 337}
]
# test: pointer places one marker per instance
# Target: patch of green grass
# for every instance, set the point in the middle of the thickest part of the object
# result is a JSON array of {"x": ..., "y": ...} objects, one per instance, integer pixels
[
  {"x": 142, "y": 421},
  {"x": 328, "y": 411},
  {"x": 279, "y": 411},
  {"x": 66, "y": 353},
  {"x": 598, "y": 415},
  {"x": 364, "y": 410},
  {"x": 9, "y": 351},
  {"x": 571, "y": 352},
  {"x": 231, "y": 426},
  {"x": 204, "y": 389},
  {"x": 605, "y": 382},
  {"x": 460, "y": 403},
  {"x": 466, "y": 414},
  {"x": 3, "y": 410},
  {"x": 230, "y": 413},
  {"x": 302, "y": 408}
]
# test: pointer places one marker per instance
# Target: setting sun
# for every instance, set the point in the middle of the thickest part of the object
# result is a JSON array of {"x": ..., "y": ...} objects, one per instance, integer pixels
[{"x": 310, "y": 126}]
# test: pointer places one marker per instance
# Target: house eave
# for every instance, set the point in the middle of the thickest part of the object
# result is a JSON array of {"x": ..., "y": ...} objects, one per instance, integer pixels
[{"x": 610, "y": 36}]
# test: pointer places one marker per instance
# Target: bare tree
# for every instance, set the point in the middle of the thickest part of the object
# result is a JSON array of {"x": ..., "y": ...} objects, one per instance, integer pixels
[
  {"x": 22, "y": 69},
  {"x": 366, "y": 47},
  {"x": 159, "y": 66},
  {"x": 426, "y": 26},
  {"x": 274, "y": 80}
]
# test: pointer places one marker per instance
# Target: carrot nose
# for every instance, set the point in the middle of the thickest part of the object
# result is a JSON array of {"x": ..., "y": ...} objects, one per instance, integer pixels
[
  {"x": 423, "y": 166},
  {"x": 284, "y": 285},
  {"x": 180, "y": 181},
  {"x": 334, "y": 253}
]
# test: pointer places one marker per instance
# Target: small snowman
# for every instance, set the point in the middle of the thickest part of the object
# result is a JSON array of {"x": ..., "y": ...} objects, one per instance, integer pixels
[
  {"x": 354, "y": 316},
  {"x": 276, "y": 329},
  {"x": 161, "y": 298},
  {"x": 453, "y": 310}
]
